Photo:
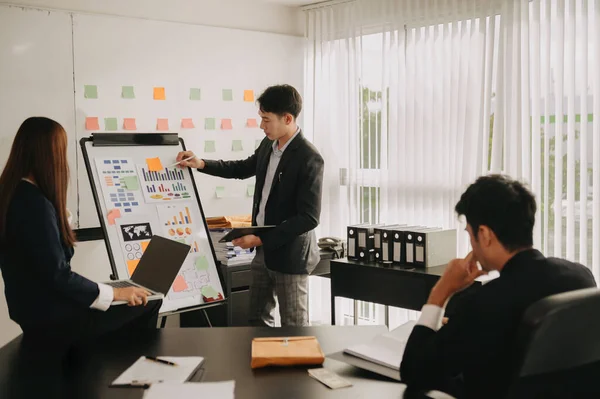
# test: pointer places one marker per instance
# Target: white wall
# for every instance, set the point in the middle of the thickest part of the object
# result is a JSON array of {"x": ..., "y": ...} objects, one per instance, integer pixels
[
  {"x": 241, "y": 14},
  {"x": 90, "y": 258}
]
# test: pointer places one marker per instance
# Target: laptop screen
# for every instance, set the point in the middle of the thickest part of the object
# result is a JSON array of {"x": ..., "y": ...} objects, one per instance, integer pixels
[{"x": 160, "y": 264}]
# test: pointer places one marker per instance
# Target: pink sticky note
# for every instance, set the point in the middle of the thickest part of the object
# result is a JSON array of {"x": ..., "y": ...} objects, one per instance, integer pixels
[
  {"x": 91, "y": 123},
  {"x": 187, "y": 123},
  {"x": 251, "y": 123},
  {"x": 112, "y": 215},
  {"x": 226, "y": 124},
  {"x": 129, "y": 124},
  {"x": 162, "y": 124}
]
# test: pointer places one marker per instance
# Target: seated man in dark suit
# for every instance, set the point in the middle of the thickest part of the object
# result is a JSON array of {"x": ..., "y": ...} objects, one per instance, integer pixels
[{"x": 474, "y": 355}]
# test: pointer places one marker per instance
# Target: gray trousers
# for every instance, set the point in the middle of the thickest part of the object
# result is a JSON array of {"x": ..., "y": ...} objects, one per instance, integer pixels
[{"x": 291, "y": 291}]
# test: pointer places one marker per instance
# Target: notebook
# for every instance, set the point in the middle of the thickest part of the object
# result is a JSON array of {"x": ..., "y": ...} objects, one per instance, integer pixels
[
  {"x": 145, "y": 372},
  {"x": 385, "y": 349}
]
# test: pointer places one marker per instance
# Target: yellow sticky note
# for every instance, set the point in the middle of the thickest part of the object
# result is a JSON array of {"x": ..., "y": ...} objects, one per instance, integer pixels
[
  {"x": 251, "y": 123},
  {"x": 129, "y": 124},
  {"x": 159, "y": 93},
  {"x": 112, "y": 215},
  {"x": 162, "y": 124},
  {"x": 154, "y": 164},
  {"x": 249, "y": 95},
  {"x": 226, "y": 124},
  {"x": 187, "y": 123},
  {"x": 91, "y": 123}
]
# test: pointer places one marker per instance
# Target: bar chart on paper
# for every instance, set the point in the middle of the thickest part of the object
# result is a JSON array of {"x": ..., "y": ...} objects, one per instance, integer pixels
[{"x": 165, "y": 185}]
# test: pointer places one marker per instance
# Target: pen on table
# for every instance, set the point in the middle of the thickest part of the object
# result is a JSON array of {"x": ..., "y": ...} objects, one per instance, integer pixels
[
  {"x": 155, "y": 359},
  {"x": 183, "y": 160}
]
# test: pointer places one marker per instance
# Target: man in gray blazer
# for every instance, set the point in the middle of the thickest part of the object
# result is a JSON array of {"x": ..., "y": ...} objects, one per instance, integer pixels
[{"x": 289, "y": 179}]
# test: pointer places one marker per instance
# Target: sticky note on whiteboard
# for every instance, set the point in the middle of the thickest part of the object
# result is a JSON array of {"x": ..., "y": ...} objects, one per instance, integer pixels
[
  {"x": 127, "y": 92},
  {"x": 195, "y": 94},
  {"x": 249, "y": 95},
  {"x": 129, "y": 124},
  {"x": 250, "y": 190},
  {"x": 90, "y": 91},
  {"x": 226, "y": 124},
  {"x": 112, "y": 215},
  {"x": 251, "y": 123},
  {"x": 227, "y": 95},
  {"x": 209, "y": 124},
  {"x": 111, "y": 124},
  {"x": 91, "y": 123},
  {"x": 187, "y": 123},
  {"x": 159, "y": 93},
  {"x": 220, "y": 192},
  {"x": 236, "y": 145},
  {"x": 209, "y": 146},
  {"x": 154, "y": 164},
  {"x": 162, "y": 124}
]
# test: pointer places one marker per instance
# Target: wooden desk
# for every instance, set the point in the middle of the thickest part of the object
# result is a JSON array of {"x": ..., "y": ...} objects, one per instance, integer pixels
[
  {"x": 389, "y": 285},
  {"x": 227, "y": 357}
]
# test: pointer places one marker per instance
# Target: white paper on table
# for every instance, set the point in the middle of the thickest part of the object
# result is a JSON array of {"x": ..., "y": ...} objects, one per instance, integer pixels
[
  {"x": 214, "y": 390},
  {"x": 150, "y": 372}
]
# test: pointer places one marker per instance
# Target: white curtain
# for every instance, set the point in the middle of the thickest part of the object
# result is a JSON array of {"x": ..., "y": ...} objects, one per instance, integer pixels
[
  {"x": 399, "y": 99},
  {"x": 546, "y": 128}
]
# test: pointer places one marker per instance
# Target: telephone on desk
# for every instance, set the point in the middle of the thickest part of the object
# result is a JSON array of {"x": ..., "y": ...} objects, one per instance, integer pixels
[{"x": 334, "y": 244}]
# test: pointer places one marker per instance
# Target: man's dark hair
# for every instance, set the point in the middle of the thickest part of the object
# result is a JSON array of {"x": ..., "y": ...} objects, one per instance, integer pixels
[
  {"x": 281, "y": 100},
  {"x": 504, "y": 205}
]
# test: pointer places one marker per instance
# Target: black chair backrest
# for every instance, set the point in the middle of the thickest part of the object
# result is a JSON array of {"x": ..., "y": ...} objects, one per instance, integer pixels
[{"x": 561, "y": 332}]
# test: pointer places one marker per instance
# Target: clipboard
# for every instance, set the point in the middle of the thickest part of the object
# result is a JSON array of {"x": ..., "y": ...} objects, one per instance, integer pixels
[{"x": 244, "y": 231}]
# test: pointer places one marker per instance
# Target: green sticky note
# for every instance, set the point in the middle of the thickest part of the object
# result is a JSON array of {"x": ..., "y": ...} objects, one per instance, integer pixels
[
  {"x": 195, "y": 94},
  {"x": 209, "y": 146},
  {"x": 236, "y": 145},
  {"x": 220, "y": 191},
  {"x": 209, "y": 292},
  {"x": 227, "y": 95},
  {"x": 90, "y": 91},
  {"x": 257, "y": 144},
  {"x": 201, "y": 263},
  {"x": 127, "y": 92},
  {"x": 131, "y": 182},
  {"x": 250, "y": 190},
  {"x": 110, "y": 124},
  {"x": 210, "y": 124}
]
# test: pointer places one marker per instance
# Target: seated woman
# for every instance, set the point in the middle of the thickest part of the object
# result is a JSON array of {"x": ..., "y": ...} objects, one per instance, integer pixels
[{"x": 54, "y": 306}]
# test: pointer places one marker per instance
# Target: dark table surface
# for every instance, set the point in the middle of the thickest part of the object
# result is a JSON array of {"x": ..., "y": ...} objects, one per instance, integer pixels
[{"x": 227, "y": 357}]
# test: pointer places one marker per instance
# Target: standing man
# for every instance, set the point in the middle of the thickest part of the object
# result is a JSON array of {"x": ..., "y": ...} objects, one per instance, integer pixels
[{"x": 289, "y": 179}]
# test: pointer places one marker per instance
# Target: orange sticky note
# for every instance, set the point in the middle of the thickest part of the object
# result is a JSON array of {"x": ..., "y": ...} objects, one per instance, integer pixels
[
  {"x": 179, "y": 284},
  {"x": 112, "y": 215},
  {"x": 249, "y": 95},
  {"x": 129, "y": 124},
  {"x": 162, "y": 124},
  {"x": 187, "y": 123},
  {"x": 154, "y": 164},
  {"x": 251, "y": 123},
  {"x": 91, "y": 123},
  {"x": 132, "y": 265},
  {"x": 226, "y": 124},
  {"x": 145, "y": 245},
  {"x": 159, "y": 93}
]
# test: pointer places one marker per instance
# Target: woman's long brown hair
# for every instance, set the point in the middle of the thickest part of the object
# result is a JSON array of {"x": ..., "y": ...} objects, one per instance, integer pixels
[{"x": 39, "y": 151}]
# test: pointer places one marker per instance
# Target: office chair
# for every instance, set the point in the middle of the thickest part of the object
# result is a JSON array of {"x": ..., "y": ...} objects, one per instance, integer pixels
[{"x": 559, "y": 347}]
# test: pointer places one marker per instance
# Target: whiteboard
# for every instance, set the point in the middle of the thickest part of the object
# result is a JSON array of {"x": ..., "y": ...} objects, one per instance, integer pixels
[
  {"x": 136, "y": 203},
  {"x": 36, "y": 77},
  {"x": 112, "y": 52}
]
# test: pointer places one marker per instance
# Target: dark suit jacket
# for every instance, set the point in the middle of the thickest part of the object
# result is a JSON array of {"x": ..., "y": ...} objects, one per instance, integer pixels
[
  {"x": 294, "y": 203},
  {"x": 478, "y": 344},
  {"x": 39, "y": 285}
]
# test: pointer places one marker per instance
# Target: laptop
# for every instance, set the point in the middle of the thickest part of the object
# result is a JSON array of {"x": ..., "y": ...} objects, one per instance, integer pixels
[{"x": 157, "y": 269}]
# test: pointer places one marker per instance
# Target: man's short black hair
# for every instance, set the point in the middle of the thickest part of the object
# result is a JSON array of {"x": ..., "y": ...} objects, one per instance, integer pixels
[
  {"x": 281, "y": 100},
  {"x": 504, "y": 205}
]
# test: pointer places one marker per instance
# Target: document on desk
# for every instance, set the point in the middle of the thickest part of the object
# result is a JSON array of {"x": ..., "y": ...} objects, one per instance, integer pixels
[
  {"x": 147, "y": 372},
  {"x": 214, "y": 390},
  {"x": 385, "y": 349}
]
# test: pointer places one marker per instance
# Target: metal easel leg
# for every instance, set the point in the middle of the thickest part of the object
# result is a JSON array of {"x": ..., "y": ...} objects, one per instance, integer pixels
[{"x": 207, "y": 318}]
